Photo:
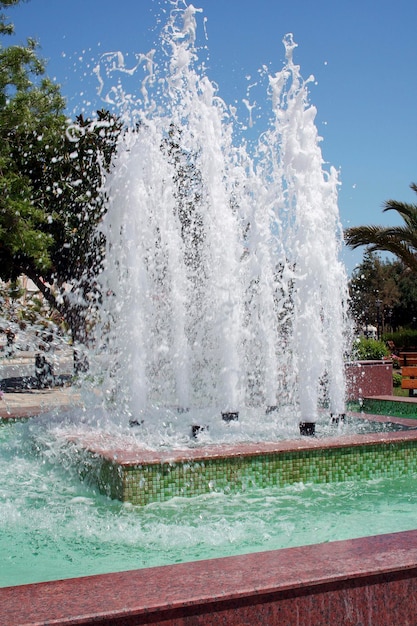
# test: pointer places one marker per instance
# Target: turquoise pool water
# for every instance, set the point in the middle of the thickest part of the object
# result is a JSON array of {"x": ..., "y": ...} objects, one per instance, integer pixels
[{"x": 52, "y": 526}]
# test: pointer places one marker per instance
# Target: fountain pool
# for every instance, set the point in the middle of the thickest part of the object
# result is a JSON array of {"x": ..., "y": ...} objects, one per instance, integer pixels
[
  {"x": 342, "y": 564},
  {"x": 73, "y": 531}
]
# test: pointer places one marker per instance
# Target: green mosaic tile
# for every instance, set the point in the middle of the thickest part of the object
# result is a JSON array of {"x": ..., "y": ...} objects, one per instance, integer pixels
[
  {"x": 387, "y": 407},
  {"x": 144, "y": 484}
]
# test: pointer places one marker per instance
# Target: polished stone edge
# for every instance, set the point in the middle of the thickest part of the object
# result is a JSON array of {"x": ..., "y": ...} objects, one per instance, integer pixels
[
  {"x": 171, "y": 592},
  {"x": 128, "y": 452},
  {"x": 394, "y": 399}
]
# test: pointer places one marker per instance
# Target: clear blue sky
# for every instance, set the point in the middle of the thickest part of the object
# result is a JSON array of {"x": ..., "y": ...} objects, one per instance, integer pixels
[{"x": 362, "y": 53}]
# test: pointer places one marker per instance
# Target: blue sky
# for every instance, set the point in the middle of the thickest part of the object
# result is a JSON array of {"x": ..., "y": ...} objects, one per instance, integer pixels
[{"x": 362, "y": 53}]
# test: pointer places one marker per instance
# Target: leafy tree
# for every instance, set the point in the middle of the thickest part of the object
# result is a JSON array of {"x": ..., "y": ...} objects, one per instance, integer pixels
[
  {"x": 404, "y": 311},
  {"x": 29, "y": 106},
  {"x": 399, "y": 240},
  {"x": 383, "y": 293},
  {"x": 70, "y": 194},
  {"x": 50, "y": 179},
  {"x": 371, "y": 291}
]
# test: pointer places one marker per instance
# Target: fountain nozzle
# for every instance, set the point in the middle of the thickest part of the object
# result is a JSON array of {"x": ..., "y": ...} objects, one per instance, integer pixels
[{"x": 307, "y": 429}]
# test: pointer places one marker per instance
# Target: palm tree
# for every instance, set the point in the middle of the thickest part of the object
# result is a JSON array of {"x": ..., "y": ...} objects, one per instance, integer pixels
[{"x": 399, "y": 240}]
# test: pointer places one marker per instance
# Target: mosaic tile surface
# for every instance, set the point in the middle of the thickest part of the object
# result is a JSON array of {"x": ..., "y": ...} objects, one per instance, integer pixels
[
  {"x": 144, "y": 483},
  {"x": 390, "y": 407}
]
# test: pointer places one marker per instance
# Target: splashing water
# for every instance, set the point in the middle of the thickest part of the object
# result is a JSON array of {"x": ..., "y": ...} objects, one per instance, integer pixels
[{"x": 224, "y": 287}]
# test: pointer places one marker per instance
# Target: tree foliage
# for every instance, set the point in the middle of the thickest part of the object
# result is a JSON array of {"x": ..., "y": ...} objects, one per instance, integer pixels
[
  {"x": 383, "y": 293},
  {"x": 31, "y": 117},
  {"x": 50, "y": 183}
]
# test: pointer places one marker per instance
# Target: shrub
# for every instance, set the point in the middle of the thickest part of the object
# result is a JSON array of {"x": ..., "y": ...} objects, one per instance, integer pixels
[
  {"x": 370, "y": 350},
  {"x": 402, "y": 339},
  {"x": 396, "y": 379}
]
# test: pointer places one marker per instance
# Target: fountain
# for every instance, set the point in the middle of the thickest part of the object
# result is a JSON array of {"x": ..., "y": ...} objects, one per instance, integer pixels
[
  {"x": 224, "y": 290},
  {"x": 223, "y": 324}
]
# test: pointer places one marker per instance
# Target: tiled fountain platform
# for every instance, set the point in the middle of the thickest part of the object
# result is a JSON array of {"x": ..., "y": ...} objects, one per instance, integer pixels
[
  {"x": 362, "y": 581},
  {"x": 125, "y": 470},
  {"x": 391, "y": 405}
]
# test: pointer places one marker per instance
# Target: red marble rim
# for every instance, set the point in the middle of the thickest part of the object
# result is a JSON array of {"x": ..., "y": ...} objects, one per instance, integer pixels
[
  {"x": 128, "y": 451},
  {"x": 227, "y": 581}
]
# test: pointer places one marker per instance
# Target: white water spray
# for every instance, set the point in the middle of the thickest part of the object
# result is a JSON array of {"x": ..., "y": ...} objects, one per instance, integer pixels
[{"x": 224, "y": 287}]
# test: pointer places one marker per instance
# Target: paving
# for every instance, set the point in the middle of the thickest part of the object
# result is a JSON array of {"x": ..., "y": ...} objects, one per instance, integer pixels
[
  {"x": 29, "y": 402},
  {"x": 20, "y": 392}
]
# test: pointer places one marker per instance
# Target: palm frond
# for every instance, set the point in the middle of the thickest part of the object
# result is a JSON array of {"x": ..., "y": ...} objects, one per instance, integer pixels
[
  {"x": 362, "y": 236},
  {"x": 407, "y": 211},
  {"x": 398, "y": 240}
]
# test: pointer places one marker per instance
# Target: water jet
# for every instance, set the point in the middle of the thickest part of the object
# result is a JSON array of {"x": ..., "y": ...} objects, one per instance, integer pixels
[{"x": 223, "y": 287}]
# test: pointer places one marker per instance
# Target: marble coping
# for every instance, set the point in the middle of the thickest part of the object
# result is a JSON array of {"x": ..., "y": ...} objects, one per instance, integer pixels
[{"x": 360, "y": 579}]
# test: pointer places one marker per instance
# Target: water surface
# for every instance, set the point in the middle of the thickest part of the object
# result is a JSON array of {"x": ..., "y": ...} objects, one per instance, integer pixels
[{"x": 53, "y": 527}]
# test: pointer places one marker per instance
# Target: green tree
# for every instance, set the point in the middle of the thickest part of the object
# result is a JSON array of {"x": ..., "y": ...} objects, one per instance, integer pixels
[
  {"x": 69, "y": 191},
  {"x": 383, "y": 293},
  {"x": 30, "y": 106},
  {"x": 404, "y": 311},
  {"x": 50, "y": 179},
  {"x": 372, "y": 291},
  {"x": 399, "y": 240}
]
